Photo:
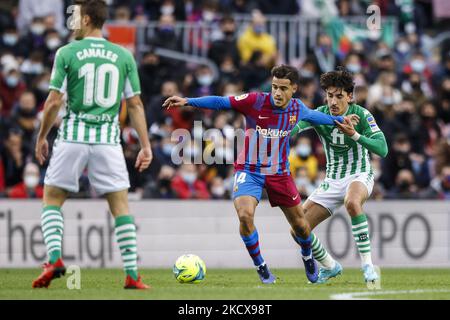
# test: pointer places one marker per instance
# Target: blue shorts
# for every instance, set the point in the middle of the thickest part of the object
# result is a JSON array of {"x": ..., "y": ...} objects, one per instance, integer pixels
[{"x": 281, "y": 189}]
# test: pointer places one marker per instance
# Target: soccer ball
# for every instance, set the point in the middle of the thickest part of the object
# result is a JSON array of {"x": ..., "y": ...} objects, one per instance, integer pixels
[{"x": 189, "y": 268}]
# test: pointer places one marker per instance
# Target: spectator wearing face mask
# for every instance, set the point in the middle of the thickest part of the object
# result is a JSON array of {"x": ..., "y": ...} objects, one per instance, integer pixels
[
  {"x": 52, "y": 43},
  {"x": 301, "y": 156},
  {"x": 34, "y": 37},
  {"x": 186, "y": 184},
  {"x": 24, "y": 116},
  {"x": 13, "y": 157},
  {"x": 217, "y": 188},
  {"x": 11, "y": 84},
  {"x": 30, "y": 9},
  {"x": 10, "y": 41},
  {"x": 165, "y": 36},
  {"x": 405, "y": 186},
  {"x": 304, "y": 184},
  {"x": 29, "y": 187},
  {"x": 203, "y": 83},
  {"x": 226, "y": 46},
  {"x": 440, "y": 186},
  {"x": 256, "y": 38}
]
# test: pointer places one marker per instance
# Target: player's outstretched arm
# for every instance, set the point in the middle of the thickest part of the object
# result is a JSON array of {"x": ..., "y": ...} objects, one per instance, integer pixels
[
  {"x": 137, "y": 116},
  {"x": 318, "y": 118},
  {"x": 51, "y": 108},
  {"x": 375, "y": 143},
  {"x": 208, "y": 102}
]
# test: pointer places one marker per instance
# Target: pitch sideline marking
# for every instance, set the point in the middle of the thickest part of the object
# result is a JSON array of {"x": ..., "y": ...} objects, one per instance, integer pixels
[{"x": 361, "y": 295}]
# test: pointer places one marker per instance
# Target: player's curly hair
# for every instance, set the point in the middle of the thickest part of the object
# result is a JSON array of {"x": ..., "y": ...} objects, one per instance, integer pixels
[
  {"x": 339, "y": 78},
  {"x": 286, "y": 72},
  {"x": 97, "y": 10}
]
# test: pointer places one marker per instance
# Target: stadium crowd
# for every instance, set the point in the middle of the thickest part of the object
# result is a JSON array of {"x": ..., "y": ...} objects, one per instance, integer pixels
[{"x": 406, "y": 87}]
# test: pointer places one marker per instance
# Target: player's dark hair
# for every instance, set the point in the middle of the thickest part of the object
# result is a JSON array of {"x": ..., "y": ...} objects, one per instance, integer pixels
[
  {"x": 97, "y": 10},
  {"x": 340, "y": 78},
  {"x": 286, "y": 72}
]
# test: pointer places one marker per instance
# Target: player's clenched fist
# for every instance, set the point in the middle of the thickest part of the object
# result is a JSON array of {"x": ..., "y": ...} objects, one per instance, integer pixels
[
  {"x": 174, "y": 101},
  {"x": 144, "y": 159}
]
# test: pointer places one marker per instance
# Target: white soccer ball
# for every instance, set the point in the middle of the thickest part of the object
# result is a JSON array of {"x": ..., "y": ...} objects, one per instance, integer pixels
[{"x": 189, "y": 268}]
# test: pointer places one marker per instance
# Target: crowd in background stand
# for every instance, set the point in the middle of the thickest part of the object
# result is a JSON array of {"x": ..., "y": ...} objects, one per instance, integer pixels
[{"x": 406, "y": 87}]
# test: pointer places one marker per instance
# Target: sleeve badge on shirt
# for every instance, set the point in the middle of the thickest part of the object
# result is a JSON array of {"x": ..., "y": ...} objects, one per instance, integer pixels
[
  {"x": 372, "y": 124},
  {"x": 241, "y": 97},
  {"x": 292, "y": 120}
]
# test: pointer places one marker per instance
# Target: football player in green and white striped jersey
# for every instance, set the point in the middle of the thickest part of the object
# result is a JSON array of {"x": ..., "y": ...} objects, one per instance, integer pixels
[
  {"x": 349, "y": 174},
  {"x": 95, "y": 74}
]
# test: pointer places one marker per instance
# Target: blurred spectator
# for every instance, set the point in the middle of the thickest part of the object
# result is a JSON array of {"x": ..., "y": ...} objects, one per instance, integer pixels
[
  {"x": 161, "y": 188},
  {"x": 440, "y": 186},
  {"x": 131, "y": 149},
  {"x": 405, "y": 186},
  {"x": 256, "y": 38},
  {"x": 217, "y": 188},
  {"x": 203, "y": 83},
  {"x": 29, "y": 187},
  {"x": 13, "y": 158},
  {"x": 255, "y": 72},
  {"x": 396, "y": 160},
  {"x": 4, "y": 125},
  {"x": 24, "y": 116},
  {"x": 34, "y": 35},
  {"x": 186, "y": 184},
  {"x": 154, "y": 111},
  {"x": 165, "y": 36},
  {"x": 11, "y": 84},
  {"x": 301, "y": 156},
  {"x": 28, "y": 9},
  {"x": 52, "y": 43},
  {"x": 383, "y": 91},
  {"x": 122, "y": 14},
  {"x": 12, "y": 42},
  {"x": 324, "y": 56},
  {"x": 226, "y": 46},
  {"x": 304, "y": 184}
]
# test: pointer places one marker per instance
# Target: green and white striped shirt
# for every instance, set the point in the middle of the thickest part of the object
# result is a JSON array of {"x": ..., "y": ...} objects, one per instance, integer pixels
[
  {"x": 344, "y": 156},
  {"x": 95, "y": 74}
]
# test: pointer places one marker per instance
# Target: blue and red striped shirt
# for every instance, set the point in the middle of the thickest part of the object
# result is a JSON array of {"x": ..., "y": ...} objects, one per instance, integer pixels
[{"x": 267, "y": 130}]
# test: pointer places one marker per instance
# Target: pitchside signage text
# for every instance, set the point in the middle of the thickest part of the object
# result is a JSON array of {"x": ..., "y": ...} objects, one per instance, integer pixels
[{"x": 410, "y": 233}]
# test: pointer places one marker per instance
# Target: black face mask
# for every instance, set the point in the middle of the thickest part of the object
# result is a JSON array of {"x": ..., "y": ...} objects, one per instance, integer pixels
[
  {"x": 403, "y": 185},
  {"x": 164, "y": 183},
  {"x": 229, "y": 34},
  {"x": 28, "y": 114}
]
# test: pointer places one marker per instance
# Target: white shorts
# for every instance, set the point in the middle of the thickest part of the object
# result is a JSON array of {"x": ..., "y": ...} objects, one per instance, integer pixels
[
  {"x": 106, "y": 167},
  {"x": 331, "y": 193}
]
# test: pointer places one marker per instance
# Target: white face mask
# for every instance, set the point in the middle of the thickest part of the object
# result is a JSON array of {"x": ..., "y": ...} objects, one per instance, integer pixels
[
  {"x": 31, "y": 181},
  {"x": 218, "y": 191},
  {"x": 205, "y": 80},
  {"x": 189, "y": 177},
  {"x": 10, "y": 39},
  {"x": 53, "y": 43},
  {"x": 418, "y": 65},
  {"x": 167, "y": 10},
  {"x": 37, "y": 29}
]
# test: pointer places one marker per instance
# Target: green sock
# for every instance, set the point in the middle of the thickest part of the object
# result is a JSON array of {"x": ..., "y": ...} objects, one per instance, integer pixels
[
  {"x": 320, "y": 254},
  {"x": 52, "y": 226},
  {"x": 360, "y": 230},
  {"x": 125, "y": 231}
]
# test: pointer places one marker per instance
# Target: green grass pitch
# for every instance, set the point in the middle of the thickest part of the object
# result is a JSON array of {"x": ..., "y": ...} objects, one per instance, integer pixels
[{"x": 227, "y": 284}]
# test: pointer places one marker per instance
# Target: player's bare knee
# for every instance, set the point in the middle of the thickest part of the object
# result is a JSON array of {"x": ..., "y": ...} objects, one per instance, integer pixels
[{"x": 353, "y": 207}]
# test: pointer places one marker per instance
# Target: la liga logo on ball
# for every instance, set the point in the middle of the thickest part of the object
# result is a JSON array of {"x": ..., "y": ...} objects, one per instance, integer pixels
[{"x": 189, "y": 268}]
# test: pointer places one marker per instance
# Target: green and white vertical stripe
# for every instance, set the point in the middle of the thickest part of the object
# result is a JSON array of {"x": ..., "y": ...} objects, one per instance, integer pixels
[
  {"x": 342, "y": 164},
  {"x": 125, "y": 231},
  {"x": 318, "y": 250},
  {"x": 360, "y": 230},
  {"x": 52, "y": 225},
  {"x": 74, "y": 129}
]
